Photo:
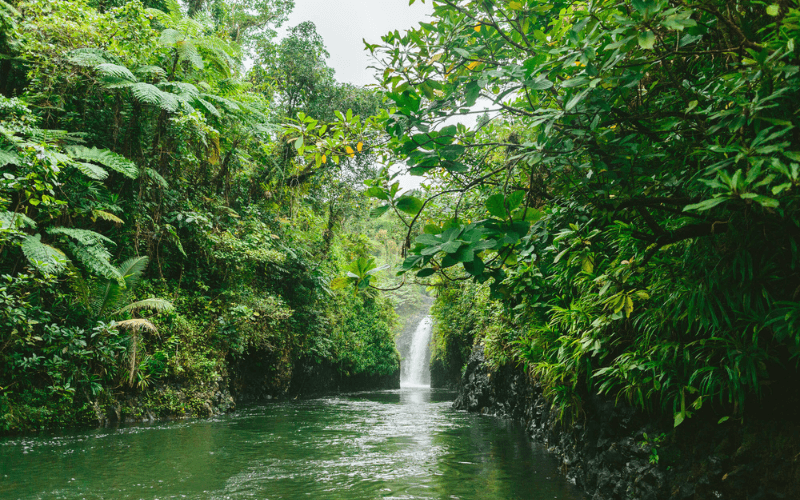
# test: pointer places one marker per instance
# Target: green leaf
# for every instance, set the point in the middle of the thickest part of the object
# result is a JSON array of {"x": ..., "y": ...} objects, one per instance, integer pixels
[
  {"x": 679, "y": 417},
  {"x": 377, "y": 192},
  {"x": 451, "y": 246},
  {"x": 773, "y": 10},
  {"x": 378, "y": 211},
  {"x": 647, "y": 39},
  {"x": 495, "y": 205},
  {"x": 515, "y": 199},
  {"x": 706, "y": 204},
  {"x": 409, "y": 204},
  {"x": 426, "y": 272}
]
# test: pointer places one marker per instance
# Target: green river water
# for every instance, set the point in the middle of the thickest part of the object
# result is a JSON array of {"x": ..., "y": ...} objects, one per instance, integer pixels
[{"x": 403, "y": 444}]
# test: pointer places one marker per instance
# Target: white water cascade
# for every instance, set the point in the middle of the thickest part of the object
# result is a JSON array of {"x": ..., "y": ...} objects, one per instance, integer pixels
[{"x": 415, "y": 370}]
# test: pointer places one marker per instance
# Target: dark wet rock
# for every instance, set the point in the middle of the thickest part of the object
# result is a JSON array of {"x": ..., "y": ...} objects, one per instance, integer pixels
[{"x": 615, "y": 452}]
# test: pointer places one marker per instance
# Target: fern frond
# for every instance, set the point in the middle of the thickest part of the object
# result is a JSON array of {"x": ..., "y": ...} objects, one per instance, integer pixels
[
  {"x": 89, "y": 57},
  {"x": 157, "y": 177},
  {"x": 189, "y": 26},
  {"x": 174, "y": 9},
  {"x": 152, "y": 71},
  {"x": 158, "y": 305},
  {"x": 169, "y": 37},
  {"x": 83, "y": 236},
  {"x": 114, "y": 75},
  {"x": 181, "y": 89},
  {"x": 8, "y": 157},
  {"x": 96, "y": 259},
  {"x": 160, "y": 16},
  {"x": 150, "y": 94},
  {"x": 105, "y": 295},
  {"x": 226, "y": 104},
  {"x": 187, "y": 51},
  {"x": 208, "y": 107},
  {"x": 11, "y": 220},
  {"x": 106, "y": 158},
  {"x": 101, "y": 214},
  {"x": 89, "y": 170},
  {"x": 43, "y": 257}
]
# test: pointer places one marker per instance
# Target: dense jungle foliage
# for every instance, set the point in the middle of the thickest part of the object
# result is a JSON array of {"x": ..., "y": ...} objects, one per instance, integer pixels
[
  {"x": 623, "y": 218},
  {"x": 155, "y": 220}
]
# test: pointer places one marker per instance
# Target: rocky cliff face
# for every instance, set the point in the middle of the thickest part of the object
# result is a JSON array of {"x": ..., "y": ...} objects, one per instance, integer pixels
[{"x": 615, "y": 452}]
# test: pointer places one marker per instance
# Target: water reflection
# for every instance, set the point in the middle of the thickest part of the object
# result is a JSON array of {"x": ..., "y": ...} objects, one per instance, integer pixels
[{"x": 405, "y": 444}]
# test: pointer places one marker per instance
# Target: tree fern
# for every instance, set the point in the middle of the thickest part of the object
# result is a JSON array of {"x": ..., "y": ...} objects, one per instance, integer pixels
[
  {"x": 106, "y": 158},
  {"x": 152, "y": 95},
  {"x": 112, "y": 294},
  {"x": 170, "y": 36},
  {"x": 90, "y": 170},
  {"x": 226, "y": 104},
  {"x": 8, "y": 157},
  {"x": 96, "y": 259},
  {"x": 89, "y": 57},
  {"x": 210, "y": 108},
  {"x": 158, "y": 305},
  {"x": 156, "y": 72},
  {"x": 82, "y": 236},
  {"x": 11, "y": 220},
  {"x": 161, "y": 181},
  {"x": 187, "y": 51},
  {"x": 43, "y": 257},
  {"x": 181, "y": 89},
  {"x": 115, "y": 75}
]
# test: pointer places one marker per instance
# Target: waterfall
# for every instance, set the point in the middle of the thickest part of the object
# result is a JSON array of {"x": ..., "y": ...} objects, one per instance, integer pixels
[{"x": 415, "y": 370}]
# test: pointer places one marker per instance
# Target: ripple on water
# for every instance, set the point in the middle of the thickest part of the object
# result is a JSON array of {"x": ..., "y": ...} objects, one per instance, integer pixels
[{"x": 405, "y": 444}]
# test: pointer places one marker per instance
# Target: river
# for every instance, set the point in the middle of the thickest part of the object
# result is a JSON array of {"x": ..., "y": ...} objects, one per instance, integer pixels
[{"x": 401, "y": 444}]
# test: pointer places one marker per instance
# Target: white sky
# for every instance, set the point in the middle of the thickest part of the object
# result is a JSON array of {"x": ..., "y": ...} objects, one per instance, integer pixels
[{"x": 343, "y": 23}]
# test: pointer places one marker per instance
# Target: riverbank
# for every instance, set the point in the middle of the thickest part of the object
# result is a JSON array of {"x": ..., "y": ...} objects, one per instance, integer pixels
[{"x": 615, "y": 452}]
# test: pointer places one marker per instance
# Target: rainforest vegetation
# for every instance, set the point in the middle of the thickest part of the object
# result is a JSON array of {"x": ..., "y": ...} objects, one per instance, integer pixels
[
  {"x": 156, "y": 222},
  {"x": 622, "y": 217}
]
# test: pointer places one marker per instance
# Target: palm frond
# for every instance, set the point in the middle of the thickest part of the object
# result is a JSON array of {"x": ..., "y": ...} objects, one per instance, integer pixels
[
  {"x": 161, "y": 181},
  {"x": 107, "y": 216},
  {"x": 131, "y": 271}
]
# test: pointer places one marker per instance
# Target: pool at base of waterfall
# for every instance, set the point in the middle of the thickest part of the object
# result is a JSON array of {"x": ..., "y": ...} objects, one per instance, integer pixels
[{"x": 399, "y": 444}]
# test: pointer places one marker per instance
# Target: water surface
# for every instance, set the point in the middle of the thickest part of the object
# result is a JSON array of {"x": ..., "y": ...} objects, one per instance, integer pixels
[{"x": 404, "y": 444}]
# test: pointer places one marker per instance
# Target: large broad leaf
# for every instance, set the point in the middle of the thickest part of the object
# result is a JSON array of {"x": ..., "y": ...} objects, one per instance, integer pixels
[
  {"x": 378, "y": 211},
  {"x": 409, "y": 204},
  {"x": 426, "y": 272},
  {"x": 495, "y": 205}
]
